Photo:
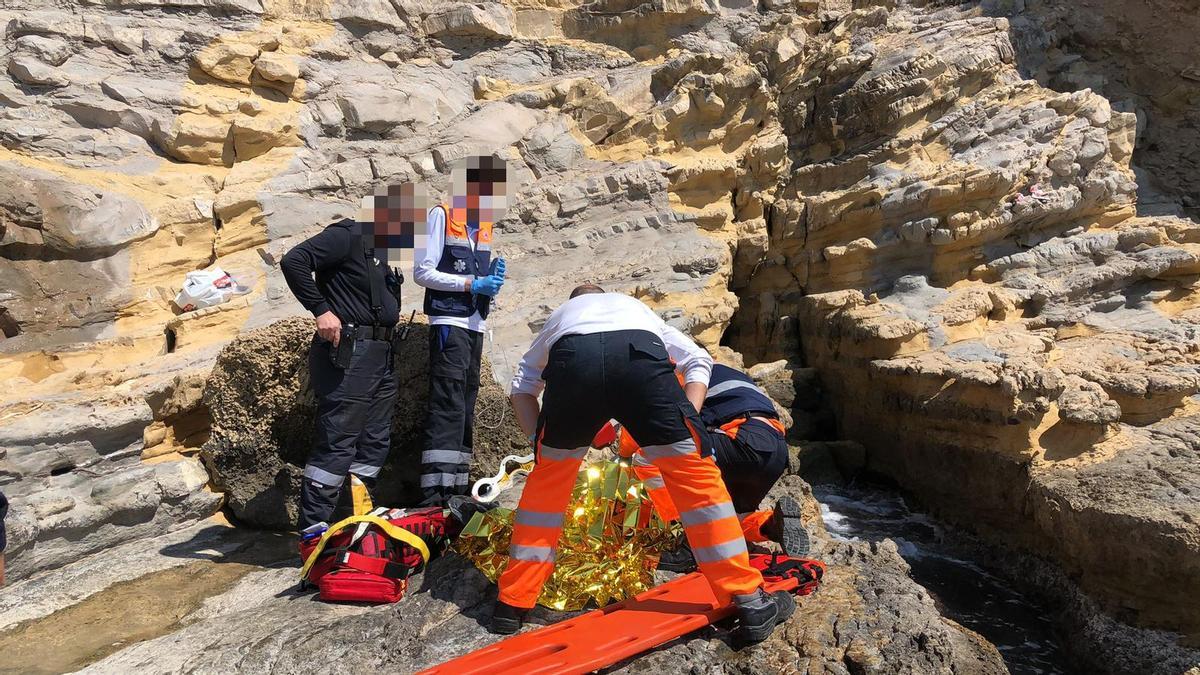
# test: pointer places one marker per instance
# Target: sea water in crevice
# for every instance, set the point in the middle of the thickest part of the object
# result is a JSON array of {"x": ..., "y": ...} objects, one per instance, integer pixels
[{"x": 965, "y": 592}]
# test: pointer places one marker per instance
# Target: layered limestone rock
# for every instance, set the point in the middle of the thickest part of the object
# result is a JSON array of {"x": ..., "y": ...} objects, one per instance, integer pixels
[
  {"x": 263, "y": 406},
  {"x": 1141, "y": 57},
  {"x": 193, "y": 134},
  {"x": 957, "y": 253},
  {"x": 873, "y": 190},
  {"x": 73, "y": 468}
]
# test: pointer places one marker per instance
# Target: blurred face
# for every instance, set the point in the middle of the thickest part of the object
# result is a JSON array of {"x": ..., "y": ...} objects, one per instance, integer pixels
[
  {"x": 395, "y": 217},
  {"x": 479, "y": 185}
]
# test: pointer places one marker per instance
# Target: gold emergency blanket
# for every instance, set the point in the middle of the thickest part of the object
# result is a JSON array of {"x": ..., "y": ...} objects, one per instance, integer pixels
[{"x": 609, "y": 547}]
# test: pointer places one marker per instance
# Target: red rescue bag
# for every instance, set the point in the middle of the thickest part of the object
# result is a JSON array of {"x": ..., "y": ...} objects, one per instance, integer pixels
[{"x": 368, "y": 558}]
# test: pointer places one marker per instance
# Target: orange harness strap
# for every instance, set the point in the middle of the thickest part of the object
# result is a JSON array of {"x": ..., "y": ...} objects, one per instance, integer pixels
[{"x": 730, "y": 428}]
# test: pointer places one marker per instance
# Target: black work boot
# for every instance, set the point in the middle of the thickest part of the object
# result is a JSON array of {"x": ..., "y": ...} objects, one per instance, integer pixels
[
  {"x": 506, "y": 619},
  {"x": 463, "y": 508},
  {"x": 678, "y": 559},
  {"x": 758, "y": 616},
  {"x": 784, "y": 527}
]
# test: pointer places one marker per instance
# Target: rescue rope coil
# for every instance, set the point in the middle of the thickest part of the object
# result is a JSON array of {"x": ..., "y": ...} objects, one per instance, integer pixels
[{"x": 483, "y": 416}]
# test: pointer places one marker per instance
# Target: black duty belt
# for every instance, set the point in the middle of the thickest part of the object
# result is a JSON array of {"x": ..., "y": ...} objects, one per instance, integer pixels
[{"x": 374, "y": 332}]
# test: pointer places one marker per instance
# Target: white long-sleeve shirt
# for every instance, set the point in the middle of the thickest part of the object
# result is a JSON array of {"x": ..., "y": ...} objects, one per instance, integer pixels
[
  {"x": 604, "y": 313},
  {"x": 426, "y": 274}
]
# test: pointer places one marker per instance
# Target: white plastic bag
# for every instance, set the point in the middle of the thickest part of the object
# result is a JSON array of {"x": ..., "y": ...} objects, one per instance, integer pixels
[{"x": 206, "y": 288}]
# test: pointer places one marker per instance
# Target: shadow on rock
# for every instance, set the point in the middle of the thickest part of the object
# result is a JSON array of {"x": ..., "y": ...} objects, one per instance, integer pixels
[
  {"x": 452, "y": 578},
  {"x": 223, "y": 544}
]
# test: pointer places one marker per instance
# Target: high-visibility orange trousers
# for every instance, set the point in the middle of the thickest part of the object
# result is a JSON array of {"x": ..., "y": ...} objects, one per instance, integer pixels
[
  {"x": 693, "y": 483},
  {"x": 652, "y": 478}
]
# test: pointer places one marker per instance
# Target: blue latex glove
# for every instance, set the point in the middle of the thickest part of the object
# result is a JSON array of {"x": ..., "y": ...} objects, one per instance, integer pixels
[
  {"x": 488, "y": 286},
  {"x": 500, "y": 267}
]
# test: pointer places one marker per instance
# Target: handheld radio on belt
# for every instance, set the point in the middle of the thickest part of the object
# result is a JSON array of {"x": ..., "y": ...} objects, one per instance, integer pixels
[
  {"x": 344, "y": 351},
  {"x": 404, "y": 333}
]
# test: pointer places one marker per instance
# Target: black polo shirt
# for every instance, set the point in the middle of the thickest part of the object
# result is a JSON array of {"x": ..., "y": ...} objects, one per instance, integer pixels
[{"x": 341, "y": 285}]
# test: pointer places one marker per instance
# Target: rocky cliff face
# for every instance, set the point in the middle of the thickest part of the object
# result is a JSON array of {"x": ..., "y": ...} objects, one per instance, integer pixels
[
  {"x": 144, "y": 140},
  {"x": 1142, "y": 58},
  {"x": 957, "y": 252},
  {"x": 919, "y": 201}
]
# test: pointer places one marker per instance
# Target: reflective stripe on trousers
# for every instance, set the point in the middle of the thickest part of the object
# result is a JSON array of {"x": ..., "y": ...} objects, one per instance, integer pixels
[
  {"x": 656, "y": 488},
  {"x": 692, "y": 481},
  {"x": 444, "y": 479},
  {"x": 694, "y": 486},
  {"x": 323, "y": 477},
  {"x": 538, "y": 524},
  {"x": 447, "y": 470},
  {"x": 365, "y": 470}
]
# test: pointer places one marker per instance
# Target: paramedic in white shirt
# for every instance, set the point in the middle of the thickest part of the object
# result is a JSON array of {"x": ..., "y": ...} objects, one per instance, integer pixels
[{"x": 604, "y": 356}]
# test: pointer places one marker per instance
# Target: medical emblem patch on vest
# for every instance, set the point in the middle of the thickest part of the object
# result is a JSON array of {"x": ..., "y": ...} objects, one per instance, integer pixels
[{"x": 460, "y": 257}]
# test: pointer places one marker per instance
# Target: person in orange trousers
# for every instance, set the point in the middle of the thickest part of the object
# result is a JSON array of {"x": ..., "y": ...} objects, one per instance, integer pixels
[
  {"x": 751, "y": 452},
  {"x": 603, "y": 356}
]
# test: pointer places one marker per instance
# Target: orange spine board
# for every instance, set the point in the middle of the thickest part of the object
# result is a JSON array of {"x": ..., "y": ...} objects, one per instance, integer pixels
[{"x": 605, "y": 636}]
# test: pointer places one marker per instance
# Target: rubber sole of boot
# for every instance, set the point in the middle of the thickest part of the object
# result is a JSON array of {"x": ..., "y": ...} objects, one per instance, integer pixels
[
  {"x": 785, "y": 606},
  {"x": 502, "y": 625},
  {"x": 795, "y": 538}
]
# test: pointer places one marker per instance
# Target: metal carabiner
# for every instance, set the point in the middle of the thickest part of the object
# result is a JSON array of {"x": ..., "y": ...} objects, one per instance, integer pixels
[{"x": 486, "y": 490}]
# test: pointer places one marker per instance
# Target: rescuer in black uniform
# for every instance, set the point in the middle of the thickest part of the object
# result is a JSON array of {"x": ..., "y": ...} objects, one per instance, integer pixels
[{"x": 355, "y": 300}]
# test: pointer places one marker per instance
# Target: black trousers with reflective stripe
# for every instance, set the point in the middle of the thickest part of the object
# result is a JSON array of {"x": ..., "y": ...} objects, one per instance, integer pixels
[
  {"x": 750, "y": 463},
  {"x": 454, "y": 361},
  {"x": 353, "y": 426}
]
